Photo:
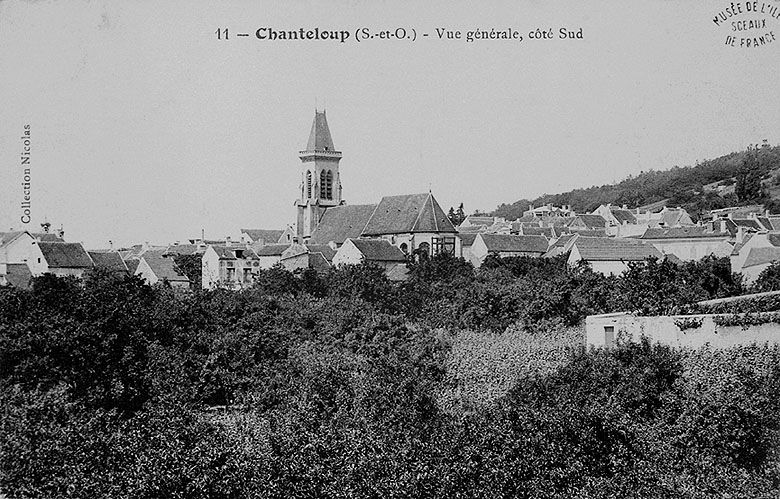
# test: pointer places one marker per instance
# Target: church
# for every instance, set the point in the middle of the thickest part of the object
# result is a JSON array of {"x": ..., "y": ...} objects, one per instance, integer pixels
[{"x": 413, "y": 223}]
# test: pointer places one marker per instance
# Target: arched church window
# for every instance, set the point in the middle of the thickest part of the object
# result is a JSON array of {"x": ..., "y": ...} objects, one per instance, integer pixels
[
  {"x": 329, "y": 185},
  {"x": 308, "y": 184},
  {"x": 404, "y": 247},
  {"x": 323, "y": 190}
]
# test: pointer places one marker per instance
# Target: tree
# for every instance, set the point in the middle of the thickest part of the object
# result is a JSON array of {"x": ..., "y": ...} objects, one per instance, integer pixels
[
  {"x": 460, "y": 214},
  {"x": 192, "y": 267},
  {"x": 748, "y": 186}
]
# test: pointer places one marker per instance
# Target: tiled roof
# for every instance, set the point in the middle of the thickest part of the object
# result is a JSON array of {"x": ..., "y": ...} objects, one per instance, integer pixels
[
  {"x": 163, "y": 267},
  {"x": 682, "y": 233},
  {"x": 326, "y": 250},
  {"x": 270, "y": 249},
  {"x": 467, "y": 239},
  {"x": 748, "y": 223},
  {"x": 612, "y": 249},
  {"x": 773, "y": 238},
  {"x": 738, "y": 246},
  {"x": 65, "y": 255},
  {"x": 408, "y": 213},
  {"x": 591, "y": 221},
  {"x": 132, "y": 265},
  {"x": 18, "y": 275},
  {"x": 47, "y": 237},
  {"x": 775, "y": 222},
  {"x": 761, "y": 256},
  {"x": 319, "y": 137},
  {"x": 318, "y": 262},
  {"x": 184, "y": 249},
  {"x": 512, "y": 243},
  {"x": 378, "y": 250},
  {"x": 294, "y": 250},
  {"x": 765, "y": 223},
  {"x": 268, "y": 236},
  {"x": 7, "y": 237},
  {"x": 652, "y": 207},
  {"x": 110, "y": 260},
  {"x": 672, "y": 216},
  {"x": 527, "y": 219},
  {"x": 475, "y": 220},
  {"x": 547, "y": 232},
  {"x": 342, "y": 222},
  {"x": 589, "y": 233},
  {"x": 623, "y": 216},
  {"x": 473, "y": 229},
  {"x": 236, "y": 252}
]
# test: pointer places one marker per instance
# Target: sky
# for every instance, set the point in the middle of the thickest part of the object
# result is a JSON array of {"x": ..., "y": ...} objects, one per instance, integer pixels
[{"x": 146, "y": 127}]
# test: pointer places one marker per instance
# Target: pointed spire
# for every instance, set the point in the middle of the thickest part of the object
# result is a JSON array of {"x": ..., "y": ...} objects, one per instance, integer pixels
[{"x": 319, "y": 137}]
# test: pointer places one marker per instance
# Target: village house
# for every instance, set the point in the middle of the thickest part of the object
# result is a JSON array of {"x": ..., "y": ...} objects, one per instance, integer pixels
[
  {"x": 478, "y": 222},
  {"x": 229, "y": 267},
  {"x": 156, "y": 268},
  {"x": 268, "y": 255},
  {"x": 267, "y": 236},
  {"x": 755, "y": 253},
  {"x": 562, "y": 245},
  {"x": 506, "y": 245},
  {"x": 615, "y": 217},
  {"x": 586, "y": 221},
  {"x": 377, "y": 251},
  {"x": 610, "y": 256},
  {"x": 110, "y": 261},
  {"x": 666, "y": 217},
  {"x": 19, "y": 246},
  {"x": 313, "y": 256},
  {"x": 688, "y": 243},
  {"x": 466, "y": 243},
  {"x": 60, "y": 259}
]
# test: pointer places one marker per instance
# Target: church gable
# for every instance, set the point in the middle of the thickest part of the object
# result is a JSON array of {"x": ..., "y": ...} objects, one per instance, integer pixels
[{"x": 408, "y": 213}]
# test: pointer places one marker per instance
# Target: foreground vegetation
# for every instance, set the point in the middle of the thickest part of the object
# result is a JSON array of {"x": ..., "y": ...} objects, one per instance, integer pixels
[{"x": 457, "y": 383}]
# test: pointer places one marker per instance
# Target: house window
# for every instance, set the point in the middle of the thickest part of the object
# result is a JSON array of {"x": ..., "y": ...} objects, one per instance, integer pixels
[
  {"x": 247, "y": 275},
  {"x": 231, "y": 274},
  {"x": 445, "y": 244}
]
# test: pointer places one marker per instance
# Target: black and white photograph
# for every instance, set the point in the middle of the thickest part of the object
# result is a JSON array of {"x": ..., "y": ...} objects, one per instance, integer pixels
[{"x": 389, "y": 249}]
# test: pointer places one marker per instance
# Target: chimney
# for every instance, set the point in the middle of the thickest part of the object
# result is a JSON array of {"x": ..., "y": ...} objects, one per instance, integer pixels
[
  {"x": 228, "y": 242},
  {"x": 723, "y": 225},
  {"x": 111, "y": 245},
  {"x": 61, "y": 232},
  {"x": 740, "y": 234},
  {"x": 625, "y": 207}
]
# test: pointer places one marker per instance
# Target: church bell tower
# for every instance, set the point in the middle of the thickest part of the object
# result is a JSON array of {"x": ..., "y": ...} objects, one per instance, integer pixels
[{"x": 320, "y": 186}]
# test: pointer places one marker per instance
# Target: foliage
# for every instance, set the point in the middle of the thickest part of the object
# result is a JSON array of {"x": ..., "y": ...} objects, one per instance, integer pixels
[
  {"x": 192, "y": 267},
  {"x": 768, "y": 279},
  {"x": 686, "y": 323},
  {"x": 459, "y": 382},
  {"x": 682, "y": 187}
]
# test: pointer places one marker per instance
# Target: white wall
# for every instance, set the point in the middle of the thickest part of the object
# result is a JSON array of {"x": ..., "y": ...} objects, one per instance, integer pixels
[{"x": 662, "y": 329}]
